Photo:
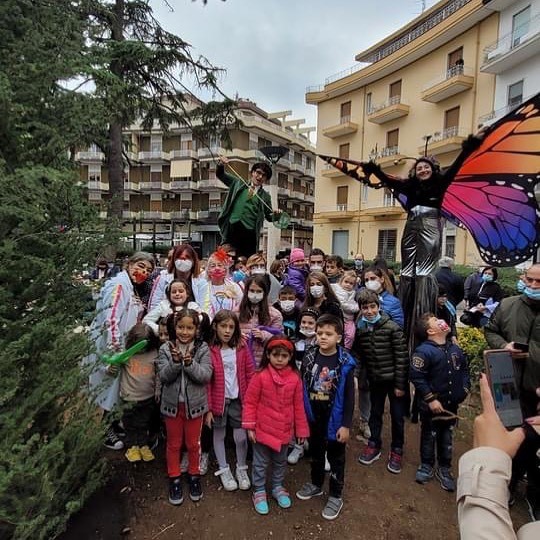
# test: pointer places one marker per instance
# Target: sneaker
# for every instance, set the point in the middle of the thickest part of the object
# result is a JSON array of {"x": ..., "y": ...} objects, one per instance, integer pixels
[
  {"x": 533, "y": 506},
  {"x": 184, "y": 464},
  {"x": 308, "y": 491},
  {"x": 369, "y": 454},
  {"x": 147, "y": 454},
  {"x": 176, "y": 496},
  {"x": 203, "y": 464},
  {"x": 227, "y": 479},
  {"x": 133, "y": 454},
  {"x": 327, "y": 467},
  {"x": 112, "y": 440},
  {"x": 282, "y": 497},
  {"x": 242, "y": 477},
  {"x": 295, "y": 455},
  {"x": 333, "y": 508},
  {"x": 195, "y": 489},
  {"x": 444, "y": 475},
  {"x": 394, "y": 461},
  {"x": 424, "y": 473},
  {"x": 260, "y": 503}
]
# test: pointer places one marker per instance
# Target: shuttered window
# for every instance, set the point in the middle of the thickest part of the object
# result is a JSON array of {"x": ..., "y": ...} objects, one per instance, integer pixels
[
  {"x": 386, "y": 245},
  {"x": 344, "y": 150}
]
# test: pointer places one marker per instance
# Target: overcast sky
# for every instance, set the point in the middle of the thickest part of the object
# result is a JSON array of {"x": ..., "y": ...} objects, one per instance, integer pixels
[{"x": 273, "y": 49}]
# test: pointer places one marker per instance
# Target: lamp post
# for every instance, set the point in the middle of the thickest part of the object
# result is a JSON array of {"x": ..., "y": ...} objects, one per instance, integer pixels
[{"x": 273, "y": 154}]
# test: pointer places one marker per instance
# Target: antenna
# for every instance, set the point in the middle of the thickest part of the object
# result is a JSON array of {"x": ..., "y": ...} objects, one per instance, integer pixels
[{"x": 423, "y": 6}]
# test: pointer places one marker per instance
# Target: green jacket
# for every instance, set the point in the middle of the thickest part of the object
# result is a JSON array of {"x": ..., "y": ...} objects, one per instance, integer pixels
[
  {"x": 517, "y": 319},
  {"x": 235, "y": 187}
]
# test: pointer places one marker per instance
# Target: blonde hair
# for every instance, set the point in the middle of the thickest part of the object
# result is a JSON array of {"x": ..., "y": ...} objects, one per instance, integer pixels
[
  {"x": 255, "y": 259},
  {"x": 348, "y": 273}
]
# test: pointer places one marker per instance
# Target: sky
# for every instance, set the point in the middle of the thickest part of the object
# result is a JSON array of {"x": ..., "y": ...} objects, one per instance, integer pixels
[{"x": 273, "y": 49}]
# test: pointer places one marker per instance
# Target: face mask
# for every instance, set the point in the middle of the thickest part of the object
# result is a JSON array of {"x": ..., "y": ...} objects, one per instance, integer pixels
[
  {"x": 520, "y": 286},
  {"x": 258, "y": 272},
  {"x": 183, "y": 265},
  {"x": 286, "y": 305},
  {"x": 315, "y": 268},
  {"x": 308, "y": 332},
  {"x": 358, "y": 264},
  {"x": 443, "y": 325},
  {"x": 255, "y": 298},
  {"x": 373, "y": 285},
  {"x": 533, "y": 294},
  {"x": 217, "y": 273},
  {"x": 316, "y": 291},
  {"x": 486, "y": 278},
  {"x": 139, "y": 277},
  {"x": 373, "y": 320}
]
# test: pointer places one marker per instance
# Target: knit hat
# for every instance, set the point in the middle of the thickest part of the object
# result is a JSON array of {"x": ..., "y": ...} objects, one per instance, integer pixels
[{"x": 297, "y": 254}]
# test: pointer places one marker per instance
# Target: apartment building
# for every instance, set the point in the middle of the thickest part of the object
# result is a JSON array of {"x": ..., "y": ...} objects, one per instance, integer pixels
[
  {"x": 423, "y": 88},
  {"x": 172, "y": 193}
]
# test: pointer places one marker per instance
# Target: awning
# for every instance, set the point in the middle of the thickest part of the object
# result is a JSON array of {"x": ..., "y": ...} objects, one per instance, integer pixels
[{"x": 181, "y": 168}]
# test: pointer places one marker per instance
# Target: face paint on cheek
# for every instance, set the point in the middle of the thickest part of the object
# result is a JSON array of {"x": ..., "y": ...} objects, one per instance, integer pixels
[{"x": 139, "y": 277}]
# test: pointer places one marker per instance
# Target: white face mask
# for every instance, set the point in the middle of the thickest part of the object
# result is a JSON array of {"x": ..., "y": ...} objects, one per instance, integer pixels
[
  {"x": 258, "y": 272},
  {"x": 373, "y": 285},
  {"x": 255, "y": 297},
  {"x": 316, "y": 291},
  {"x": 308, "y": 332},
  {"x": 183, "y": 265},
  {"x": 316, "y": 268},
  {"x": 287, "y": 305}
]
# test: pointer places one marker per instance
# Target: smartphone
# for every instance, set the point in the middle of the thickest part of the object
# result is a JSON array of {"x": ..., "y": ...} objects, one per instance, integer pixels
[
  {"x": 502, "y": 380},
  {"x": 523, "y": 347}
]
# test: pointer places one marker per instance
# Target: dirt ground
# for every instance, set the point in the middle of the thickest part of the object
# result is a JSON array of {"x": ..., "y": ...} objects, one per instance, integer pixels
[{"x": 378, "y": 504}]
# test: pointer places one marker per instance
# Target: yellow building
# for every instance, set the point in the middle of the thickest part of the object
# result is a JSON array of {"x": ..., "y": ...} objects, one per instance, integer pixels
[{"x": 421, "y": 85}]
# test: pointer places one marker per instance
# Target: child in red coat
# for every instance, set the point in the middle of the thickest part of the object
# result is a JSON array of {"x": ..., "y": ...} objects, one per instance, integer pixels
[
  {"x": 233, "y": 368},
  {"x": 273, "y": 410}
]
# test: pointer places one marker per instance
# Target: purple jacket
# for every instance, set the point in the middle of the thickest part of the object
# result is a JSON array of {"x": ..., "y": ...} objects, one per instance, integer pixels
[{"x": 296, "y": 278}]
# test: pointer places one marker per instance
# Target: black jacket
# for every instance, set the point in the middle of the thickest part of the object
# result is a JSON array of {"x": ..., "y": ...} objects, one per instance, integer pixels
[{"x": 452, "y": 283}]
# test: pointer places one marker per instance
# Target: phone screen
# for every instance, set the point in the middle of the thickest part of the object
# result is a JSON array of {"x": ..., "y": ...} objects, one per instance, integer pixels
[{"x": 501, "y": 375}]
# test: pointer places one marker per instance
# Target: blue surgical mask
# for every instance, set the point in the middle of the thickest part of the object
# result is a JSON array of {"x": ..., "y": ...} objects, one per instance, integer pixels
[
  {"x": 486, "y": 278},
  {"x": 520, "y": 286},
  {"x": 373, "y": 320},
  {"x": 533, "y": 294}
]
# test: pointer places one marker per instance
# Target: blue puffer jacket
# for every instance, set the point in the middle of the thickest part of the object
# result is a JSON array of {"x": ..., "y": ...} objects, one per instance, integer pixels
[{"x": 346, "y": 363}]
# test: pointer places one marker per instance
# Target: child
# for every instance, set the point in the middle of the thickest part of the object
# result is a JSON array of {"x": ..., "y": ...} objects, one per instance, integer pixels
[
  {"x": 320, "y": 295},
  {"x": 273, "y": 411},
  {"x": 328, "y": 375},
  {"x": 286, "y": 305},
  {"x": 381, "y": 344},
  {"x": 258, "y": 320},
  {"x": 178, "y": 294},
  {"x": 334, "y": 268},
  {"x": 345, "y": 292},
  {"x": 137, "y": 387},
  {"x": 440, "y": 374},
  {"x": 224, "y": 292},
  {"x": 297, "y": 273},
  {"x": 184, "y": 369},
  {"x": 239, "y": 273},
  {"x": 232, "y": 370}
]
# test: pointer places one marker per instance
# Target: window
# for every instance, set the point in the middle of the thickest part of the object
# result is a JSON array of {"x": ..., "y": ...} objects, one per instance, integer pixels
[
  {"x": 388, "y": 198},
  {"x": 520, "y": 26},
  {"x": 94, "y": 172},
  {"x": 341, "y": 199},
  {"x": 386, "y": 245},
  {"x": 368, "y": 102},
  {"x": 392, "y": 138},
  {"x": 515, "y": 94},
  {"x": 365, "y": 192},
  {"x": 156, "y": 144},
  {"x": 451, "y": 122},
  {"x": 455, "y": 63},
  {"x": 345, "y": 112},
  {"x": 344, "y": 150},
  {"x": 394, "y": 94},
  {"x": 340, "y": 243},
  {"x": 450, "y": 246}
]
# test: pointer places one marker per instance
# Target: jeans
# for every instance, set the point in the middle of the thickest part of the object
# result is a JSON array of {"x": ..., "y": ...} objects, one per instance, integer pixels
[
  {"x": 263, "y": 456},
  {"x": 378, "y": 393},
  {"x": 364, "y": 401},
  {"x": 436, "y": 434}
]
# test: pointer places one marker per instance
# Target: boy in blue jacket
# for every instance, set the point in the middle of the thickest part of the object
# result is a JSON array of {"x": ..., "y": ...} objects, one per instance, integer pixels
[{"x": 440, "y": 374}]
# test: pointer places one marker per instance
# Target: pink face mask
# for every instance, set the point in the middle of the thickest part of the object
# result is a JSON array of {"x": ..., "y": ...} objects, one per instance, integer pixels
[
  {"x": 139, "y": 277},
  {"x": 217, "y": 273},
  {"x": 443, "y": 325}
]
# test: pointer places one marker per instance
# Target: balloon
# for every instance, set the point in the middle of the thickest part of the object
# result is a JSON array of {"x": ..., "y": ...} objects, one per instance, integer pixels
[{"x": 122, "y": 357}]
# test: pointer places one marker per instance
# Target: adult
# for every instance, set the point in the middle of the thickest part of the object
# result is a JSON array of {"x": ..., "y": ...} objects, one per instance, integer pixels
[
  {"x": 452, "y": 282},
  {"x": 471, "y": 281},
  {"x": 359, "y": 264},
  {"x": 517, "y": 320},
  {"x": 118, "y": 309},
  {"x": 224, "y": 292},
  {"x": 183, "y": 264},
  {"x": 246, "y": 207},
  {"x": 316, "y": 260},
  {"x": 482, "y": 493},
  {"x": 484, "y": 298},
  {"x": 256, "y": 266},
  {"x": 103, "y": 270}
]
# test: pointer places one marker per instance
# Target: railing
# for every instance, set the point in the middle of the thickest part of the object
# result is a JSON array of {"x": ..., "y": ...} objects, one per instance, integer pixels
[
  {"x": 337, "y": 208},
  {"x": 394, "y": 100},
  {"x": 153, "y": 154},
  {"x": 211, "y": 152},
  {"x": 448, "y": 133},
  {"x": 503, "y": 111},
  {"x": 513, "y": 39},
  {"x": 184, "y": 154},
  {"x": 89, "y": 156},
  {"x": 386, "y": 151},
  {"x": 450, "y": 73}
]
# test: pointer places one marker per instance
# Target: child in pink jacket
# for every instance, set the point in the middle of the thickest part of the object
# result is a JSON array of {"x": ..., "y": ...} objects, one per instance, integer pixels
[{"x": 273, "y": 411}]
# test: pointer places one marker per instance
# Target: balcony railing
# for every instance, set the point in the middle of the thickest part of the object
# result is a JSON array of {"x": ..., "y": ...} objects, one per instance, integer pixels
[
  {"x": 184, "y": 154},
  {"x": 89, "y": 156},
  {"x": 154, "y": 155},
  {"x": 492, "y": 116},
  {"x": 450, "y": 73},
  {"x": 394, "y": 100}
]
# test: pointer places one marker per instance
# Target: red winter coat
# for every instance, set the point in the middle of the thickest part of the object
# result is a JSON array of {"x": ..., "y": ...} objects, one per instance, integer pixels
[
  {"x": 245, "y": 367},
  {"x": 274, "y": 407}
]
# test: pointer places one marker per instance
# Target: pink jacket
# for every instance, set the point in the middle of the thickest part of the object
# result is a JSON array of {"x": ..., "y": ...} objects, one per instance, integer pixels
[
  {"x": 274, "y": 407},
  {"x": 245, "y": 368}
]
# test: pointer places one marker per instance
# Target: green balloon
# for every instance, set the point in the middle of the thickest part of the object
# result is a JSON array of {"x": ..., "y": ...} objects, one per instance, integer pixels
[{"x": 122, "y": 357}]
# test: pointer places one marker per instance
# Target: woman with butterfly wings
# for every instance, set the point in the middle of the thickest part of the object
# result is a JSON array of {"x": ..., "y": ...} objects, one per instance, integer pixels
[{"x": 489, "y": 189}]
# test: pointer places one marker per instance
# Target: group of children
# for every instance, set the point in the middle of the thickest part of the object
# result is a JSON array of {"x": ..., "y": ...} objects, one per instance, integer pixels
[{"x": 288, "y": 386}]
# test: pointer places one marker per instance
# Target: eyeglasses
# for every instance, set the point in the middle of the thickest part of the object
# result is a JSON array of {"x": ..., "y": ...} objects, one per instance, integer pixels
[
  {"x": 536, "y": 281},
  {"x": 260, "y": 173}
]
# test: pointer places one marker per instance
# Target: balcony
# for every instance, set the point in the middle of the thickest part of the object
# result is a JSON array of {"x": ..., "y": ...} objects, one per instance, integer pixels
[
  {"x": 154, "y": 156},
  {"x": 89, "y": 157},
  {"x": 390, "y": 110},
  {"x": 455, "y": 80},
  {"x": 309, "y": 173},
  {"x": 513, "y": 48},
  {"x": 345, "y": 127},
  {"x": 212, "y": 152},
  {"x": 211, "y": 184},
  {"x": 95, "y": 185},
  {"x": 493, "y": 116},
  {"x": 181, "y": 215},
  {"x": 329, "y": 171},
  {"x": 388, "y": 156},
  {"x": 385, "y": 205},
  {"x": 184, "y": 185},
  {"x": 448, "y": 140},
  {"x": 184, "y": 154},
  {"x": 131, "y": 186},
  {"x": 338, "y": 212},
  {"x": 297, "y": 168},
  {"x": 154, "y": 214}
]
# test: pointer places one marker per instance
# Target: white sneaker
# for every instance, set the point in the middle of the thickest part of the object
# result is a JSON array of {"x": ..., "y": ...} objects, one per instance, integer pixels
[
  {"x": 227, "y": 479},
  {"x": 327, "y": 467},
  {"x": 296, "y": 453},
  {"x": 184, "y": 464},
  {"x": 203, "y": 464},
  {"x": 242, "y": 477}
]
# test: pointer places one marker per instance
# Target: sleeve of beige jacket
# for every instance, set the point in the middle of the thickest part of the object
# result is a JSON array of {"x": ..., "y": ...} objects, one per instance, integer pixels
[{"x": 482, "y": 495}]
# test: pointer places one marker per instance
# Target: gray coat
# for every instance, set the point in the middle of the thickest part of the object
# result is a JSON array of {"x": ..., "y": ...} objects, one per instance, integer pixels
[{"x": 191, "y": 379}]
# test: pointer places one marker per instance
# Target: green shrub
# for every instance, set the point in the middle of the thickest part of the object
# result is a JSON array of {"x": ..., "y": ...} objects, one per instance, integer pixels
[{"x": 472, "y": 341}]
